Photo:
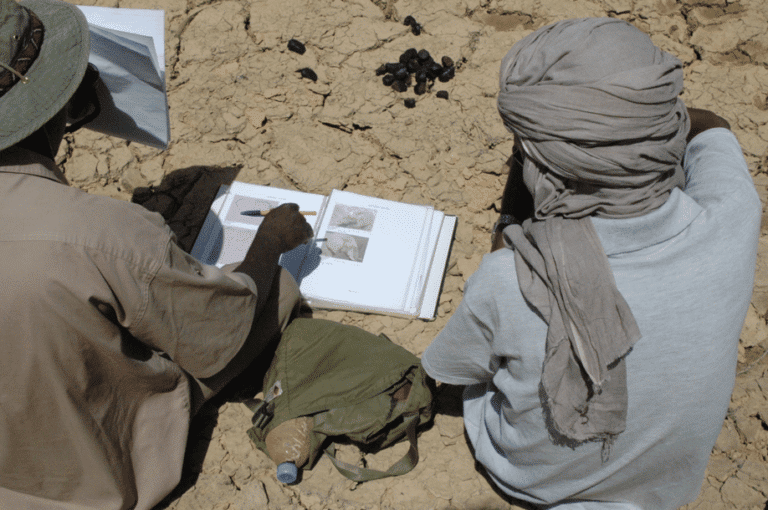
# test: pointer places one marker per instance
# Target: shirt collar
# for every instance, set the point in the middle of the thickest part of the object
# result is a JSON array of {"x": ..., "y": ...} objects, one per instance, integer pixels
[
  {"x": 17, "y": 160},
  {"x": 626, "y": 235}
]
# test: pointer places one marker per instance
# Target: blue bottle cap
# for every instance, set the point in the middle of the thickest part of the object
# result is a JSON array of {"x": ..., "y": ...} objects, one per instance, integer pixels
[{"x": 287, "y": 472}]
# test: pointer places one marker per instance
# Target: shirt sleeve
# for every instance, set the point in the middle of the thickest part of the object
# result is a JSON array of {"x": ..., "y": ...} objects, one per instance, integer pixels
[
  {"x": 462, "y": 352},
  {"x": 198, "y": 314},
  {"x": 715, "y": 168}
]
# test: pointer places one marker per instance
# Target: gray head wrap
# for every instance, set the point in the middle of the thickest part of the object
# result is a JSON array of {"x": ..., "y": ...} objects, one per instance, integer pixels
[{"x": 595, "y": 106}]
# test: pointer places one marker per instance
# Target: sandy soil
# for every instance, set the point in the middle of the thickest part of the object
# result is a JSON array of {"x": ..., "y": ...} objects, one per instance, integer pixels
[{"x": 239, "y": 110}]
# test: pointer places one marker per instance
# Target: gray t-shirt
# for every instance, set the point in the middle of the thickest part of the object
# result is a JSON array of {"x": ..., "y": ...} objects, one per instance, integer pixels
[{"x": 686, "y": 270}]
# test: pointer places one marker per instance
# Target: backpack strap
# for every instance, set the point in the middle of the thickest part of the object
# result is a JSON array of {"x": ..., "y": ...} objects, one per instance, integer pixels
[{"x": 402, "y": 466}]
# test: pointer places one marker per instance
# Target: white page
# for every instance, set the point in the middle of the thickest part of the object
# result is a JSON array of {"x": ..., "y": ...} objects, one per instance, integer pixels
[
  {"x": 368, "y": 254},
  {"x": 209, "y": 238},
  {"x": 128, "y": 48},
  {"x": 137, "y": 54},
  {"x": 146, "y": 22},
  {"x": 421, "y": 264},
  {"x": 437, "y": 269},
  {"x": 229, "y": 233},
  {"x": 422, "y": 271}
]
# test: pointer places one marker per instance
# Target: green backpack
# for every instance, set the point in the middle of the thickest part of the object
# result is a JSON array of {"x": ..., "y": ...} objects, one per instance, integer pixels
[{"x": 354, "y": 384}]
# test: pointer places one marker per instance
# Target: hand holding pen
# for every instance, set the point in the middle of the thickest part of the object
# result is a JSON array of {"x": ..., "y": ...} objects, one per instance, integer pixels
[{"x": 285, "y": 226}]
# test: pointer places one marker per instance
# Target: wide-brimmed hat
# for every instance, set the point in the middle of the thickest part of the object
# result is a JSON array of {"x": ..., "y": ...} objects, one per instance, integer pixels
[{"x": 55, "y": 73}]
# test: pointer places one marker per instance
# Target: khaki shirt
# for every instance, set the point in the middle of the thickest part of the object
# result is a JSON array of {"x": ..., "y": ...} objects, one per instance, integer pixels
[{"x": 102, "y": 315}]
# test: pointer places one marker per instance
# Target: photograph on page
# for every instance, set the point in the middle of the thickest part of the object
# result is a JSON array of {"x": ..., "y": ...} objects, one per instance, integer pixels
[{"x": 373, "y": 261}]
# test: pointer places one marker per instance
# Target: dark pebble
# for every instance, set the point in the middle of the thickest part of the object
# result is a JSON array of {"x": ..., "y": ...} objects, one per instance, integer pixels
[
  {"x": 381, "y": 70},
  {"x": 308, "y": 74},
  {"x": 408, "y": 21},
  {"x": 392, "y": 67},
  {"x": 447, "y": 62},
  {"x": 408, "y": 54},
  {"x": 434, "y": 70},
  {"x": 423, "y": 55},
  {"x": 401, "y": 74},
  {"x": 420, "y": 88},
  {"x": 399, "y": 86},
  {"x": 388, "y": 79},
  {"x": 446, "y": 75},
  {"x": 410, "y": 102},
  {"x": 443, "y": 94},
  {"x": 296, "y": 46},
  {"x": 416, "y": 29},
  {"x": 421, "y": 76},
  {"x": 413, "y": 65}
]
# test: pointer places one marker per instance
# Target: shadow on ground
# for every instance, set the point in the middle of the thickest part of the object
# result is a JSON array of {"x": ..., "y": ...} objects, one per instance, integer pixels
[{"x": 184, "y": 197}]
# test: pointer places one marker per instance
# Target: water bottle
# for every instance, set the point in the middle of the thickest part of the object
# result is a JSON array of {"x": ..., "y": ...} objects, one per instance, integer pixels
[{"x": 288, "y": 445}]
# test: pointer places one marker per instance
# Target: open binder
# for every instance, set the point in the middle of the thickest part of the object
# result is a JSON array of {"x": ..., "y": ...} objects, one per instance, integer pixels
[
  {"x": 128, "y": 48},
  {"x": 368, "y": 254}
]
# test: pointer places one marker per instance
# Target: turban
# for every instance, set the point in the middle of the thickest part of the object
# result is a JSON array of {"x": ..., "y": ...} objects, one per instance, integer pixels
[{"x": 594, "y": 104}]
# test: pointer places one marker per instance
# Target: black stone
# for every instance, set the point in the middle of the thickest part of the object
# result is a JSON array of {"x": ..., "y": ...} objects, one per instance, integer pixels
[
  {"x": 399, "y": 86},
  {"x": 420, "y": 88},
  {"x": 447, "y": 74},
  {"x": 413, "y": 65},
  {"x": 308, "y": 74},
  {"x": 410, "y": 102},
  {"x": 447, "y": 62},
  {"x": 296, "y": 46},
  {"x": 425, "y": 64},
  {"x": 381, "y": 70},
  {"x": 408, "y": 21},
  {"x": 401, "y": 74},
  {"x": 443, "y": 94},
  {"x": 392, "y": 67},
  {"x": 434, "y": 70},
  {"x": 421, "y": 76},
  {"x": 408, "y": 54},
  {"x": 388, "y": 79},
  {"x": 423, "y": 55},
  {"x": 416, "y": 29}
]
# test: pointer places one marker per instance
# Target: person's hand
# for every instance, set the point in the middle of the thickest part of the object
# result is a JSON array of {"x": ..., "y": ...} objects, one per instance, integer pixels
[
  {"x": 285, "y": 227},
  {"x": 701, "y": 120}
]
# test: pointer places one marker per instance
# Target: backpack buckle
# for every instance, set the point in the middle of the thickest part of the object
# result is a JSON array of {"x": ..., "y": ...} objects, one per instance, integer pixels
[
  {"x": 264, "y": 410},
  {"x": 262, "y": 414}
]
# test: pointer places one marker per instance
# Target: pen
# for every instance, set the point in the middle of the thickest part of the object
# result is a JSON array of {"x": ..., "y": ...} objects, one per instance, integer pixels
[{"x": 264, "y": 212}]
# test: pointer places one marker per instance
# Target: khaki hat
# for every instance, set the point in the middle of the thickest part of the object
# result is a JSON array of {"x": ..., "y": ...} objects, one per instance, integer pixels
[{"x": 55, "y": 73}]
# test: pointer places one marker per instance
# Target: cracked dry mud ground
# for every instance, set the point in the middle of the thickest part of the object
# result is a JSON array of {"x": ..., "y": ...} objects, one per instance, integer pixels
[{"x": 239, "y": 110}]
